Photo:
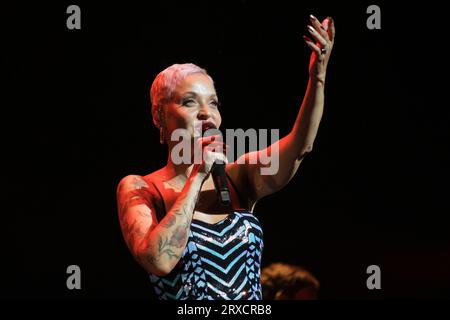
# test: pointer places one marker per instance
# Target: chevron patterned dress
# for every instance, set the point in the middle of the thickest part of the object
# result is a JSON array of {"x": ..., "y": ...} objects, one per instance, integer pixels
[{"x": 220, "y": 261}]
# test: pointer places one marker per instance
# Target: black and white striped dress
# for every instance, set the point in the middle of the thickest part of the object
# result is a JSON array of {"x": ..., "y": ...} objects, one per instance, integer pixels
[{"x": 220, "y": 261}]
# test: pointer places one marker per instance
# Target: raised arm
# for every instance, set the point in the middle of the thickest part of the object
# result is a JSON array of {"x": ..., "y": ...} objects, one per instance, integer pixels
[{"x": 293, "y": 147}]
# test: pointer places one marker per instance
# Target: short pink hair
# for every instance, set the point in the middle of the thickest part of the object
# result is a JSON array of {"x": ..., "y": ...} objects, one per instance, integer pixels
[{"x": 163, "y": 87}]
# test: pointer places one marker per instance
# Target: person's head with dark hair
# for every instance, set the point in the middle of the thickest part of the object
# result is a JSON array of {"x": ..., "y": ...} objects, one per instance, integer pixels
[{"x": 281, "y": 281}]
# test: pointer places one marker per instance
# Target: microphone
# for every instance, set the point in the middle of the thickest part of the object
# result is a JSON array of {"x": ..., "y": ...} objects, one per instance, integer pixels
[
  {"x": 219, "y": 176},
  {"x": 220, "y": 182}
]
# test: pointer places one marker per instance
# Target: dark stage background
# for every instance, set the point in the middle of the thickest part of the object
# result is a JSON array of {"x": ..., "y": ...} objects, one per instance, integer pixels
[{"x": 76, "y": 119}]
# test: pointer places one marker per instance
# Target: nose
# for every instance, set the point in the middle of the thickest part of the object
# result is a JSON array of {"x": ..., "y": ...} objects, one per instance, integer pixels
[{"x": 204, "y": 113}]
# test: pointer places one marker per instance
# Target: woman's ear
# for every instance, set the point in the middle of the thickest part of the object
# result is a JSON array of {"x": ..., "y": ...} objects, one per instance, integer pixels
[{"x": 156, "y": 116}]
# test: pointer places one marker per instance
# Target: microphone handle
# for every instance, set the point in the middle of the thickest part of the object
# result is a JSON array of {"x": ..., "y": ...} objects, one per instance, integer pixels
[{"x": 220, "y": 182}]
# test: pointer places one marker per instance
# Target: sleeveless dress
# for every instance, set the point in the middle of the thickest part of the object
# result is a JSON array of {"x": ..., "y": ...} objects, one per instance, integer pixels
[{"x": 221, "y": 261}]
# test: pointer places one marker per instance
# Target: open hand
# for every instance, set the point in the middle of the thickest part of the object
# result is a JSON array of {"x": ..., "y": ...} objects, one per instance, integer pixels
[{"x": 323, "y": 34}]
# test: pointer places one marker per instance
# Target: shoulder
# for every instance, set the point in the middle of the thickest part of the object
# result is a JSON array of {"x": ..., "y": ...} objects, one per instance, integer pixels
[
  {"x": 155, "y": 176},
  {"x": 131, "y": 182},
  {"x": 134, "y": 181},
  {"x": 147, "y": 186},
  {"x": 134, "y": 190}
]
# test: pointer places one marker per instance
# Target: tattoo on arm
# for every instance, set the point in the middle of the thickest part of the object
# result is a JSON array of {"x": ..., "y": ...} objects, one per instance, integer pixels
[
  {"x": 130, "y": 193},
  {"x": 144, "y": 214},
  {"x": 171, "y": 245},
  {"x": 165, "y": 247},
  {"x": 168, "y": 221},
  {"x": 169, "y": 239},
  {"x": 139, "y": 183},
  {"x": 132, "y": 233}
]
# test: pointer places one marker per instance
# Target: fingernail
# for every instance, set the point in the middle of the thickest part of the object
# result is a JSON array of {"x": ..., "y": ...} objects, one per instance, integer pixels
[
  {"x": 312, "y": 17},
  {"x": 311, "y": 28}
]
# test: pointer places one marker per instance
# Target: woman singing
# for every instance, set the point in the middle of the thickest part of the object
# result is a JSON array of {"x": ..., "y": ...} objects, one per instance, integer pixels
[{"x": 192, "y": 246}]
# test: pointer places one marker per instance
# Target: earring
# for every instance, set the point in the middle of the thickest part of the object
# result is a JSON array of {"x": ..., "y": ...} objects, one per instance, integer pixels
[{"x": 161, "y": 136}]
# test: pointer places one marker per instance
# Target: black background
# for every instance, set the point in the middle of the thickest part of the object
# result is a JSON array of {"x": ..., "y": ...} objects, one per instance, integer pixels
[{"x": 76, "y": 119}]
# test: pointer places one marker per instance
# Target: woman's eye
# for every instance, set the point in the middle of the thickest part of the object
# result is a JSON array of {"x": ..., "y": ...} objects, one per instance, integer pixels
[
  {"x": 189, "y": 102},
  {"x": 214, "y": 103}
]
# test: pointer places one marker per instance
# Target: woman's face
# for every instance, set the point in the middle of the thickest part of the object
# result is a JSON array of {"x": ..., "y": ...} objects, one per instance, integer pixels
[{"x": 195, "y": 103}]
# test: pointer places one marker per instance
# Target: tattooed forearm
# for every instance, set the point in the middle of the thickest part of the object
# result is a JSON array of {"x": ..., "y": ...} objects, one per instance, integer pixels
[
  {"x": 169, "y": 221},
  {"x": 164, "y": 246},
  {"x": 157, "y": 245},
  {"x": 173, "y": 244},
  {"x": 179, "y": 237},
  {"x": 185, "y": 207},
  {"x": 162, "y": 250}
]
